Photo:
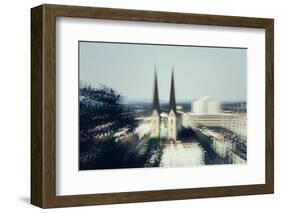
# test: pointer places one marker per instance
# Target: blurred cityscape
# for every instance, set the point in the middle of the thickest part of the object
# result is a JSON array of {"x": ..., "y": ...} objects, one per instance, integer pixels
[
  {"x": 209, "y": 132},
  {"x": 114, "y": 134}
]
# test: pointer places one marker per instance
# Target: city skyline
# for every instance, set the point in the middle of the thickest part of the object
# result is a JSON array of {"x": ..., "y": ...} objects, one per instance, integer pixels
[
  {"x": 198, "y": 71},
  {"x": 114, "y": 134}
]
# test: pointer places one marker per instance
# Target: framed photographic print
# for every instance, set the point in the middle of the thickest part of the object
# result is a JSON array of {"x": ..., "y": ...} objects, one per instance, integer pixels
[{"x": 136, "y": 106}]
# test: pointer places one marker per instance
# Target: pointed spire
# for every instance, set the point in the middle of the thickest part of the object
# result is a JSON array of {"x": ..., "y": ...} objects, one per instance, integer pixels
[
  {"x": 155, "y": 104},
  {"x": 172, "y": 103}
]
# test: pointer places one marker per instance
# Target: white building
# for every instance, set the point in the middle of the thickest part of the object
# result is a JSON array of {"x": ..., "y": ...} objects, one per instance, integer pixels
[
  {"x": 205, "y": 105},
  {"x": 210, "y": 120},
  {"x": 207, "y": 111}
]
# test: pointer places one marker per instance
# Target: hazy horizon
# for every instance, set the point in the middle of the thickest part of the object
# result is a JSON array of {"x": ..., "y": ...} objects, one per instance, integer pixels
[{"x": 198, "y": 71}]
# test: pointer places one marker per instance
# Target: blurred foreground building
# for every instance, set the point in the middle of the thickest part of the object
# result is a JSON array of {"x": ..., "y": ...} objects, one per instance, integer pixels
[{"x": 226, "y": 130}]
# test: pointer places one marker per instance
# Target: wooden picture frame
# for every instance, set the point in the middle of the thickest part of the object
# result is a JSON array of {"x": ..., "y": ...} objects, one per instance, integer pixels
[{"x": 43, "y": 105}]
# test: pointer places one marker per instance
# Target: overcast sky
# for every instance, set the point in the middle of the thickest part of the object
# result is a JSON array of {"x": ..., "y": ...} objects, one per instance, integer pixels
[{"x": 198, "y": 71}]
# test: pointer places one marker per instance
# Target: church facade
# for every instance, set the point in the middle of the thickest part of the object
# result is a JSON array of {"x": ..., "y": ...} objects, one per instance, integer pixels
[{"x": 172, "y": 122}]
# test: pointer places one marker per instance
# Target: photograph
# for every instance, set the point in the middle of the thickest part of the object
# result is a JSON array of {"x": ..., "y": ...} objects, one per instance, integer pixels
[{"x": 161, "y": 105}]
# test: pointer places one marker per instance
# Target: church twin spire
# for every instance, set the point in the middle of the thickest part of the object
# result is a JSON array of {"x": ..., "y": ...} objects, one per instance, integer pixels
[
  {"x": 172, "y": 102},
  {"x": 155, "y": 104},
  {"x": 172, "y": 121}
]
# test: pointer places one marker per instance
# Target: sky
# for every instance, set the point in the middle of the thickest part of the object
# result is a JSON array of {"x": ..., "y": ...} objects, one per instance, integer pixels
[{"x": 220, "y": 73}]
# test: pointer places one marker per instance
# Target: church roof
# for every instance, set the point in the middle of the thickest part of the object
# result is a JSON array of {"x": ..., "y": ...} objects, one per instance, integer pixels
[
  {"x": 155, "y": 103},
  {"x": 172, "y": 102}
]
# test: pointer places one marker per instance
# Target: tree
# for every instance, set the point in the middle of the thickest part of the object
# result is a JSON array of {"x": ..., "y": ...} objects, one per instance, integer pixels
[{"x": 103, "y": 119}]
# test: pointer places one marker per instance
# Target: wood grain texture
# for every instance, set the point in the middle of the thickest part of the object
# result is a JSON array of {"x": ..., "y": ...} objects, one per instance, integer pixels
[
  {"x": 269, "y": 106},
  {"x": 43, "y": 105},
  {"x": 36, "y": 106}
]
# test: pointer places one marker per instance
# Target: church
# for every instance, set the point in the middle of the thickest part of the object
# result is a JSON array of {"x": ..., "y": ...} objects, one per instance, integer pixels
[{"x": 172, "y": 122}]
